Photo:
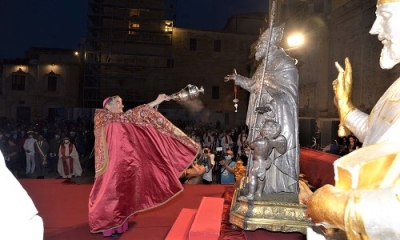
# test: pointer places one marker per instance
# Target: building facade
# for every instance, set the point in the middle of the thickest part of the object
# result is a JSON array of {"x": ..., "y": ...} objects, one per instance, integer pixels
[
  {"x": 134, "y": 50},
  {"x": 36, "y": 86}
]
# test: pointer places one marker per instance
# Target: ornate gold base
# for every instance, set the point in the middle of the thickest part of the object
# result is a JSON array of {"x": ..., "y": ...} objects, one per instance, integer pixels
[{"x": 279, "y": 212}]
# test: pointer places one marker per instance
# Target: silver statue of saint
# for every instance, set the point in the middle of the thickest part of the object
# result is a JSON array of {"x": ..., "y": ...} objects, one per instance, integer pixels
[{"x": 274, "y": 95}]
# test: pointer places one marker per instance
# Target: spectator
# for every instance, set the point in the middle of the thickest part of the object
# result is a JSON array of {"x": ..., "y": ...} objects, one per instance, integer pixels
[
  {"x": 12, "y": 155},
  {"x": 228, "y": 168},
  {"x": 194, "y": 174},
  {"x": 332, "y": 148},
  {"x": 68, "y": 163},
  {"x": 226, "y": 141},
  {"x": 41, "y": 150},
  {"x": 208, "y": 163},
  {"x": 54, "y": 147},
  {"x": 243, "y": 155},
  {"x": 349, "y": 145},
  {"x": 29, "y": 147},
  {"x": 241, "y": 141},
  {"x": 208, "y": 140}
]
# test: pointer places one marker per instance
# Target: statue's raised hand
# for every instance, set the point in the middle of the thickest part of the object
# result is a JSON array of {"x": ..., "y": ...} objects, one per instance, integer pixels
[
  {"x": 232, "y": 76},
  {"x": 342, "y": 87}
]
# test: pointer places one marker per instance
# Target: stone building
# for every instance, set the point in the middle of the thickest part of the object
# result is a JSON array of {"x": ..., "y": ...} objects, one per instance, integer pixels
[
  {"x": 135, "y": 51},
  {"x": 36, "y": 86}
]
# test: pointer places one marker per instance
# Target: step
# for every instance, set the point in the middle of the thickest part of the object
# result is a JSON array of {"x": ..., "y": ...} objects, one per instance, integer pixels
[
  {"x": 182, "y": 224},
  {"x": 207, "y": 222}
]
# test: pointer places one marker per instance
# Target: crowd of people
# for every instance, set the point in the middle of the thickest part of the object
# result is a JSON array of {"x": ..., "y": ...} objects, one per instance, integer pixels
[
  {"x": 222, "y": 149},
  {"x": 34, "y": 149},
  {"x": 347, "y": 145},
  {"x": 31, "y": 150}
]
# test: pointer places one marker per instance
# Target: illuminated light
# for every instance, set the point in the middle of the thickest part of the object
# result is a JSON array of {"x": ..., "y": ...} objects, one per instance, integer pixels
[
  {"x": 168, "y": 26},
  {"x": 76, "y": 53},
  {"x": 295, "y": 40},
  {"x": 133, "y": 26}
]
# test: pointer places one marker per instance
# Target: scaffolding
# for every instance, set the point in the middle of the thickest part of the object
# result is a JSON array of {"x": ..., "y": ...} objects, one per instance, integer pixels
[{"x": 128, "y": 48}]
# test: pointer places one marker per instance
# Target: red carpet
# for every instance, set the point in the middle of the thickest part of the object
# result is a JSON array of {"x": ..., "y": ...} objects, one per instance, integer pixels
[
  {"x": 64, "y": 211},
  {"x": 318, "y": 167}
]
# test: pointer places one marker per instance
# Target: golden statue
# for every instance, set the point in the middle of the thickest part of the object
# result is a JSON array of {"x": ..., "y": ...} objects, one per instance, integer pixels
[{"x": 365, "y": 202}]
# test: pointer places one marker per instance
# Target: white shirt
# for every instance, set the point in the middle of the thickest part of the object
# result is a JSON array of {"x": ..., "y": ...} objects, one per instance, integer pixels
[
  {"x": 29, "y": 145},
  {"x": 208, "y": 173}
]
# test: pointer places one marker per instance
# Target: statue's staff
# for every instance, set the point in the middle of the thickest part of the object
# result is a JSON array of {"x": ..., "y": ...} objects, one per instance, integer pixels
[
  {"x": 271, "y": 24},
  {"x": 253, "y": 120}
]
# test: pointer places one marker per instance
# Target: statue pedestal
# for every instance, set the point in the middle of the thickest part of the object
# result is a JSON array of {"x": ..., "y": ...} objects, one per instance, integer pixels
[{"x": 278, "y": 212}]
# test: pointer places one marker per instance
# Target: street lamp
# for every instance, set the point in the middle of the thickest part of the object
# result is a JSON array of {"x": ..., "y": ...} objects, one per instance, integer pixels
[{"x": 295, "y": 40}]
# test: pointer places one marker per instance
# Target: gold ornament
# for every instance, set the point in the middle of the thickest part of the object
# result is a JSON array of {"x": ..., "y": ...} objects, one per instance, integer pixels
[{"x": 386, "y": 1}]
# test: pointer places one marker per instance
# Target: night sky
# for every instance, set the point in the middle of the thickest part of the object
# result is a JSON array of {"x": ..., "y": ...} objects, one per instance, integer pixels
[{"x": 62, "y": 23}]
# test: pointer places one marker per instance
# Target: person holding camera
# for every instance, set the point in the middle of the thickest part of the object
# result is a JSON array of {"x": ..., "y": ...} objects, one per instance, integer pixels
[
  {"x": 228, "y": 168},
  {"x": 208, "y": 163}
]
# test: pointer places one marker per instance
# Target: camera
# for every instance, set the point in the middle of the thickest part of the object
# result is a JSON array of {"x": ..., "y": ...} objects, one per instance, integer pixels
[
  {"x": 219, "y": 154},
  {"x": 205, "y": 151}
]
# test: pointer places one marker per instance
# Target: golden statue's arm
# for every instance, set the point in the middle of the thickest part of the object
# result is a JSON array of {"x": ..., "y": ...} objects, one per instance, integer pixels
[
  {"x": 342, "y": 88},
  {"x": 366, "y": 198}
]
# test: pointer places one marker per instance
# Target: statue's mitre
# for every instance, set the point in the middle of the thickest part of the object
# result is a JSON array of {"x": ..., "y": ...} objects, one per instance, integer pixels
[
  {"x": 276, "y": 30},
  {"x": 386, "y": 1}
]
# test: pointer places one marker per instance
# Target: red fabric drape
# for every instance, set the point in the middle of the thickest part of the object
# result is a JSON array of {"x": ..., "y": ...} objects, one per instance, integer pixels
[{"x": 139, "y": 157}]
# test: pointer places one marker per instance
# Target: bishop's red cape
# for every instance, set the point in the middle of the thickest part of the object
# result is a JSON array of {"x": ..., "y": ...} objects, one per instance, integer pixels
[{"x": 139, "y": 156}]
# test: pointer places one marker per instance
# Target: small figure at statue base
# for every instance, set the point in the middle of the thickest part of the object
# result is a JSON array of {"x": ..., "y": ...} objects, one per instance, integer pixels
[{"x": 262, "y": 147}]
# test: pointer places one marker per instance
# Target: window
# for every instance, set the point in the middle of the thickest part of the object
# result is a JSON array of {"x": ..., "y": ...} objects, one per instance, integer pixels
[
  {"x": 217, "y": 45},
  {"x": 215, "y": 92},
  {"x": 18, "y": 82},
  {"x": 170, "y": 63},
  {"x": 51, "y": 83},
  {"x": 133, "y": 26},
  {"x": 134, "y": 12},
  {"x": 193, "y": 44}
]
